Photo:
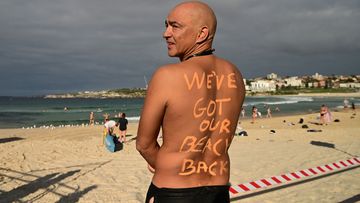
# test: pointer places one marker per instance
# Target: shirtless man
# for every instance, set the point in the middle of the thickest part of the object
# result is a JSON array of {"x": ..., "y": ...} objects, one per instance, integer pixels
[{"x": 197, "y": 104}]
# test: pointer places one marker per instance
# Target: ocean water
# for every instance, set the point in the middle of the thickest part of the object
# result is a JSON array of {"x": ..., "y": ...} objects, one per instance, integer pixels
[{"x": 18, "y": 112}]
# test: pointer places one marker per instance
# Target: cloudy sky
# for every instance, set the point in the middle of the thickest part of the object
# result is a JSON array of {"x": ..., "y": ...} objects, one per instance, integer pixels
[{"x": 76, "y": 45}]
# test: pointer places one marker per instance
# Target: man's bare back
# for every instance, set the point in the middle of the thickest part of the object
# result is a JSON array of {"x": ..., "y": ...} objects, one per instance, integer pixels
[
  {"x": 196, "y": 103},
  {"x": 202, "y": 97},
  {"x": 201, "y": 114}
]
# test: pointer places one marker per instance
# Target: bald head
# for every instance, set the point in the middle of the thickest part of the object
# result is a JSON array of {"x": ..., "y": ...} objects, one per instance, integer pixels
[
  {"x": 190, "y": 29},
  {"x": 199, "y": 14}
]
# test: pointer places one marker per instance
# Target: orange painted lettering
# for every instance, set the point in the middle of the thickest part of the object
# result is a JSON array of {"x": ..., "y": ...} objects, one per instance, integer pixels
[
  {"x": 214, "y": 147},
  {"x": 208, "y": 145},
  {"x": 208, "y": 125},
  {"x": 225, "y": 126},
  {"x": 211, "y": 171},
  {"x": 188, "y": 166},
  {"x": 211, "y": 108},
  {"x": 220, "y": 101},
  {"x": 208, "y": 82},
  {"x": 219, "y": 81},
  {"x": 204, "y": 125},
  {"x": 211, "y": 126},
  {"x": 212, "y": 104},
  {"x": 195, "y": 79},
  {"x": 223, "y": 167},
  {"x": 231, "y": 81},
  {"x": 198, "y": 112},
  {"x": 201, "y": 166},
  {"x": 189, "y": 141},
  {"x": 199, "y": 144}
]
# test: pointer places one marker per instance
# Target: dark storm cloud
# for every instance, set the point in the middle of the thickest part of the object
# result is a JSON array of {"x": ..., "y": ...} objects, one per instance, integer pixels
[
  {"x": 292, "y": 37},
  {"x": 72, "y": 45}
]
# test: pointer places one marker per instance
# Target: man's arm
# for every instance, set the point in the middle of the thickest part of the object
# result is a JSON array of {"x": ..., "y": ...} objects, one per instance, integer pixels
[{"x": 152, "y": 116}]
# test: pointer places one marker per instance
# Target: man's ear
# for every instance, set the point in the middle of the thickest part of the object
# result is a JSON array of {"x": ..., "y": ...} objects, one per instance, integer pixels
[{"x": 202, "y": 35}]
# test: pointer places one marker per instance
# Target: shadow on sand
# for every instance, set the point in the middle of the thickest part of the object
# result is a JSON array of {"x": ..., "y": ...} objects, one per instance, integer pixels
[
  {"x": 41, "y": 186},
  {"x": 41, "y": 183},
  {"x": 75, "y": 196},
  {"x": 355, "y": 198},
  {"x": 330, "y": 145},
  {"x": 10, "y": 139}
]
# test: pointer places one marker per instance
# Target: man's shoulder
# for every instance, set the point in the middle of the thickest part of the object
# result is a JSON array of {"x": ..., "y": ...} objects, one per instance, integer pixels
[
  {"x": 168, "y": 73},
  {"x": 165, "y": 70},
  {"x": 163, "y": 78},
  {"x": 225, "y": 62}
]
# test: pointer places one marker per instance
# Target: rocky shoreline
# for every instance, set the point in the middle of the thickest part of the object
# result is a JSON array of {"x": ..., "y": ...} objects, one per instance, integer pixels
[{"x": 121, "y": 93}]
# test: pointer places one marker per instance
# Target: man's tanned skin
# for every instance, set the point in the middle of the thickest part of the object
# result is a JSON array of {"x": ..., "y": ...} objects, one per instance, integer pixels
[{"x": 195, "y": 102}]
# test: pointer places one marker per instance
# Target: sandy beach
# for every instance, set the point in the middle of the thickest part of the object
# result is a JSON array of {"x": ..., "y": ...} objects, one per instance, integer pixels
[
  {"x": 345, "y": 95},
  {"x": 71, "y": 164}
]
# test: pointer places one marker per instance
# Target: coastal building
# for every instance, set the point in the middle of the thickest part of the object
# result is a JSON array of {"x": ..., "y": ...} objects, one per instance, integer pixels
[
  {"x": 247, "y": 87},
  {"x": 322, "y": 83},
  {"x": 349, "y": 85},
  {"x": 263, "y": 86},
  {"x": 317, "y": 76},
  {"x": 272, "y": 76},
  {"x": 314, "y": 84},
  {"x": 293, "y": 81},
  {"x": 335, "y": 84},
  {"x": 280, "y": 84}
]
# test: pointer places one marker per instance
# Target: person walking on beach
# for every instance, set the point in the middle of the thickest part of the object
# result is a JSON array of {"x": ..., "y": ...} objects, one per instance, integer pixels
[
  {"x": 122, "y": 123},
  {"x": 268, "y": 110},
  {"x": 254, "y": 114},
  {"x": 198, "y": 120},
  {"x": 346, "y": 103},
  {"x": 242, "y": 112},
  {"x": 353, "y": 107},
  {"x": 106, "y": 117},
  {"x": 91, "y": 118}
]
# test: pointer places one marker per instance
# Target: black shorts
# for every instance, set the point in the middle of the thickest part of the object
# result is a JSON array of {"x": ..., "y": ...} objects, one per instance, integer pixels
[{"x": 208, "y": 194}]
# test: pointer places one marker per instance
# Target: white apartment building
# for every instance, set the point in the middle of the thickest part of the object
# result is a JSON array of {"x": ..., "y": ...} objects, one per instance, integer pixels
[
  {"x": 293, "y": 81},
  {"x": 350, "y": 85},
  {"x": 317, "y": 76},
  {"x": 263, "y": 86},
  {"x": 247, "y": 87},
  {"x": 271, "y": 76}
]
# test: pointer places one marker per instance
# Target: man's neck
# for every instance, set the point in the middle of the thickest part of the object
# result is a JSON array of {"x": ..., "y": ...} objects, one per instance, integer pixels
[
  {"x": 197, "y": 51},
  {"x": 203, "y": 53}
]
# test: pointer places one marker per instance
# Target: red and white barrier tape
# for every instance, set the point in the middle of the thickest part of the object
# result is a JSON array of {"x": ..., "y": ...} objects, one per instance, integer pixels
[{"x": 276, "y": 180}]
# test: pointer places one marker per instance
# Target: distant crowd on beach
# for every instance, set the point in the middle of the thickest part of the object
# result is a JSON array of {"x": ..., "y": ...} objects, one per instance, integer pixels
[
  {"x": 106, "y": 117},
  {"x": 325, "y": 116},
  {"x": 255, "y": 113}
]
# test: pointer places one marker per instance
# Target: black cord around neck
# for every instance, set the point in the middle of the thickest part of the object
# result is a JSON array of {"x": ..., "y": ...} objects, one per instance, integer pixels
[{"x": 203, "y": 53}]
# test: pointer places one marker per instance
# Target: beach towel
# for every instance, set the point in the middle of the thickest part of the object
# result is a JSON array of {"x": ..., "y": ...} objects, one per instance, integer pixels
[{"x": 112, "y": 143}]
